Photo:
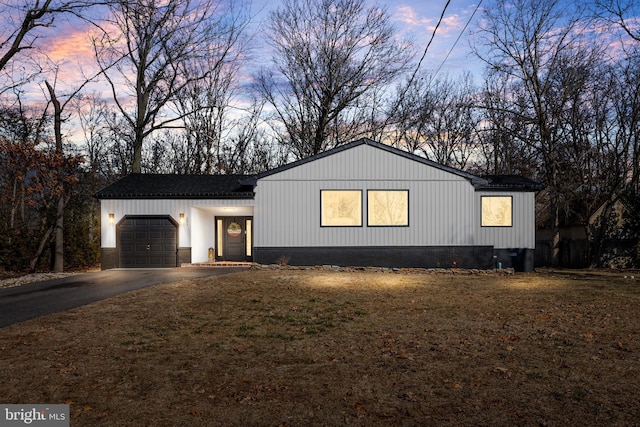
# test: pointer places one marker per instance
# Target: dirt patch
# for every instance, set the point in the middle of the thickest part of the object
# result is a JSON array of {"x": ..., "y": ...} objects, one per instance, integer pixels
[{"x": 329, "y": 348}]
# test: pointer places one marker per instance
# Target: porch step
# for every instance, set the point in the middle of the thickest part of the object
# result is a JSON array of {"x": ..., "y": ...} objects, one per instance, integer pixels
[{"x": 218, "y": 264}]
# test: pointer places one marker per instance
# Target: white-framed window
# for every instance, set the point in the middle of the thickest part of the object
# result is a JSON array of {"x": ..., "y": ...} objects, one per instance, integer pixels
[
  {"x": 497, "y": 211},
  {"x": 341, "y": 208},
  {"x": 388, "y": 208}
]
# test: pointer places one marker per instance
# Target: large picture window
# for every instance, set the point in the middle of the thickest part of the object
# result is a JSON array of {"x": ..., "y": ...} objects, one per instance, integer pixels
[
  {"x": 341, "y": 208},
  {"x": 497, "y": 211},
  {"x": 388, "y": 208}
]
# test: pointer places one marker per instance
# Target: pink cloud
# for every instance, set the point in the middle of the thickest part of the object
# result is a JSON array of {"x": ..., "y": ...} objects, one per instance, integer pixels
[
  {"x": 407, "y": 15},
  {"x": 451, "y": 23},
  {"x": 70, "y": 45}
]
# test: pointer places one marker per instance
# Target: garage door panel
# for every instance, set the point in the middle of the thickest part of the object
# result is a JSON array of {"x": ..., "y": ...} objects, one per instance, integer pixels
[
  {"x": 147, "y": 243},
  {"x": 126, "y": 234},
  {"x": 140, "y": 247},
  {"x": 158, "y": 262}
]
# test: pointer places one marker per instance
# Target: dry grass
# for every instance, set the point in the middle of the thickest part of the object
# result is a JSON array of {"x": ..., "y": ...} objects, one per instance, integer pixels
[{"x": 322, "y": 348}]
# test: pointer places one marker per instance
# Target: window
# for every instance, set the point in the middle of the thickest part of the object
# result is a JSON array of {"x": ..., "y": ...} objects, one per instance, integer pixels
[
  {"x": 341, "y": 208},
  {"x": 388, "y": 208},
  {"x": 497, "y": 211},
  {"x": 249, "y": 228},
  {"x": 219, "y": 228}
]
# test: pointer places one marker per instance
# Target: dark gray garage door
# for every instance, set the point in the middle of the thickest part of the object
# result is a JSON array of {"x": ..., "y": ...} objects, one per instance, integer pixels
[{"x": 147, "y": 242}]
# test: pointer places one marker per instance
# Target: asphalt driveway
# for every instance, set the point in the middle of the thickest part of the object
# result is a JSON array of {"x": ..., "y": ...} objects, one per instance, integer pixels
[{"x": 26, "y": 302}]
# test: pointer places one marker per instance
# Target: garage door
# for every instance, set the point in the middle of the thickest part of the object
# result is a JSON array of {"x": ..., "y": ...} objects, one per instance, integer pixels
[{"x": 147, "y": 242}]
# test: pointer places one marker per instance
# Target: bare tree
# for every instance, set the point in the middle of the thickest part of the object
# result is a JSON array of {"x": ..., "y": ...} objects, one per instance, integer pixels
[
  {"x": 500, "y": 143},
  {"x": 436, "y": 117},
  {"x": 527, "y": 41},
  {"x": 144, "y": 60},
  {"x": 328, "y": 56},
  {"x": 242, "y": 146},
  {"x": 92, "y": 112},
  {"x": 62, "y": 193},
  {"x": 206, "y": 104},
  {"x": 627, "y": 107},
  {"x": 620, "y": 12},
  {"x": 23, "y": 23},
  {"x": 29, "y": 184}
]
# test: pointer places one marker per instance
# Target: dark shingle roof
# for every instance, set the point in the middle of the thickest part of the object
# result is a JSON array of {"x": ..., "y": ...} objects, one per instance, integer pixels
[
  {"x": 511, "y": 183},
  {"x": 168, "y": 186}
]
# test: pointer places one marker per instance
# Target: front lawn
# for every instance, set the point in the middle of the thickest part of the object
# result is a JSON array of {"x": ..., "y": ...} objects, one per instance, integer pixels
[{"x": 306, "y": 348}]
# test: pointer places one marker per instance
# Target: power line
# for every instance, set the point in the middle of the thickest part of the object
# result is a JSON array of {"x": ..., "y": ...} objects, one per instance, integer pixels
[
  {"x": 424, "y": 54},
  {"x": 459, "y": 37},
  {"x": 415, "y": 71}
]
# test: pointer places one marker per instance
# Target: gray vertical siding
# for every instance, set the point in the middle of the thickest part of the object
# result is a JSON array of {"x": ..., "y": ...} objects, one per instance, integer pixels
[
  {"x": 442, "y": 206},
  {"x": 523, "y": 232}
]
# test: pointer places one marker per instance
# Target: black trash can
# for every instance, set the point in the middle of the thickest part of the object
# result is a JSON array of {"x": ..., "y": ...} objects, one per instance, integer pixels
[{"x": 518, "y": 258}]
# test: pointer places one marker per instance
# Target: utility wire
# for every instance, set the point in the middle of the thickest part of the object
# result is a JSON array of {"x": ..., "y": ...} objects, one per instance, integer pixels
[
  {"x": 459, "y": 37},
  {"x": 415, "y": 72},
  {"x": 424, "y": 54}
]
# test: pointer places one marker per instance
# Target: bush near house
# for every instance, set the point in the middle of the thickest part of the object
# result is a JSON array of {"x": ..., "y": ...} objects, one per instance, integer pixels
[{"x": 619, "y": 232}]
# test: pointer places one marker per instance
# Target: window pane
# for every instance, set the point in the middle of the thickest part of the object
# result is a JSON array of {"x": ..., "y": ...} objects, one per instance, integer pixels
[
  {"x": 388, "y": 207},
  {"x": 219, "y": 234},
  {"x": 497, "y": 211},
  {"x": 341, "y": 208},
  {"x": 249, "y": 237}
]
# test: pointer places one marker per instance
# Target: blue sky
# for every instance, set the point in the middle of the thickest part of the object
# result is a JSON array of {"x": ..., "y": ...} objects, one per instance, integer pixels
[
  {"x": 68, "y": 43},
  {"x": 416, "y": 19}
]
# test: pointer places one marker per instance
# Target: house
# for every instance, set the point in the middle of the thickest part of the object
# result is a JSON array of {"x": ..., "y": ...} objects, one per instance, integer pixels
[
  {"x": 615, "y": 232},
  {"x": 363, "y": 203},
  {"x": 608, "y": 238}
]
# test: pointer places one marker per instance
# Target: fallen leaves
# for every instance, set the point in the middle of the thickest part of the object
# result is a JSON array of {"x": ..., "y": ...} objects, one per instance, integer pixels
[
  {"x": 439, "y": 351},
  {"x": 501, "y": 370},
  {"x": 623, "y": 347}
]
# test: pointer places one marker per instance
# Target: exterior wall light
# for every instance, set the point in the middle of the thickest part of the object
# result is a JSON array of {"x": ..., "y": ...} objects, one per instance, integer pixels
[
  {"x": 111, "y": 218},
  {"x": 181, "y": 218}
]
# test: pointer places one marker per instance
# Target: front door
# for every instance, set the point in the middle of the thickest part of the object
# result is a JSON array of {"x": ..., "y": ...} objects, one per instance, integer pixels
[{"x": 234, "y": 238}]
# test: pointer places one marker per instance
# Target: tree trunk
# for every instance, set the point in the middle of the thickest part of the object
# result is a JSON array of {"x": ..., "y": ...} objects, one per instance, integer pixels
[
  {"x": 555, "y": 232},
  {"x": 58, "y": 264},
  {"x": 43, "y": 243},
  {"x": 136, "y": 166}
]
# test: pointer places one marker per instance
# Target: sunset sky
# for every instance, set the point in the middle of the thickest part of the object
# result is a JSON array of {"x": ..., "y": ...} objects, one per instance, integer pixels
[
  {"x": 69, "y": 46},
  {"x": 416, "y": 19},
  {"x": 68, "y": 43}
]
